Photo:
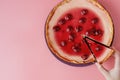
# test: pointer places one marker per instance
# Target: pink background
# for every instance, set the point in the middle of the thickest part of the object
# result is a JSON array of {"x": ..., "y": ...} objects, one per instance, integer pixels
[{"x": 24, "y": 54}]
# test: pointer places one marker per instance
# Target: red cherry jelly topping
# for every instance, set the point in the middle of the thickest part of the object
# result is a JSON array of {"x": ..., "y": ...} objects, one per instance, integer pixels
[{"x": 71, "y": 27}]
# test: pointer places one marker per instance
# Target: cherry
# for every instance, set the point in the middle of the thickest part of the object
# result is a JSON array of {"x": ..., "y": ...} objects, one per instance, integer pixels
[
  {"x": 87, "y": 33},
  {"x": 56, "y": 28},
  {"x": 94, "y": 20},
  {"x": 63, "y": 43},
  {"x": 97, "y": 32},
  {"x": 69, "y": 28},
  {"x": 85, "y": 56},
  {"x": 90, "y": 31},
  {"x": 84, "y": 11},
  {"x": 68, "y": 17},
  {"x": 76, "y": 48},
  {"x": 79, "y": 28},
  {"x": 61, "y": 22},
  {"x": 90, "y": 44},
  {"x": 93, "y": 31},
  {"x": 71, "y": 37},
  {"x": 98, "y": 48},
  {"x": 82, "y": 20}
]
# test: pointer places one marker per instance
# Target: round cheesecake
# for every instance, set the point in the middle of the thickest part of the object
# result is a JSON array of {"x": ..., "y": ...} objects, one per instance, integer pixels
[{"x": 69, "y": 21}]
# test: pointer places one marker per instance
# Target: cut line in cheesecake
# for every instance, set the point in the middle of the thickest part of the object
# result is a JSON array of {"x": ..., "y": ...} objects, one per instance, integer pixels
[
  {"x": 100, "y": 51},
  {"x": 84, "y": 38}
]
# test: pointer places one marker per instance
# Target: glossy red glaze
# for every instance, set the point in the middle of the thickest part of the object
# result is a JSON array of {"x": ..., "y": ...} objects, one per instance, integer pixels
[{"x": 78, "y": 23}]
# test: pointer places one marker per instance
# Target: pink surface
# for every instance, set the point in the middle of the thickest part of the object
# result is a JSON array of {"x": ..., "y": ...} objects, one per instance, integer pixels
[{"x": 23, "y": 51}]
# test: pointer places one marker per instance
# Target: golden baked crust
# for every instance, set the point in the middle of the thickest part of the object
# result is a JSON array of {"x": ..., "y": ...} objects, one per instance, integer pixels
[{"x": 107, "y": 57}]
